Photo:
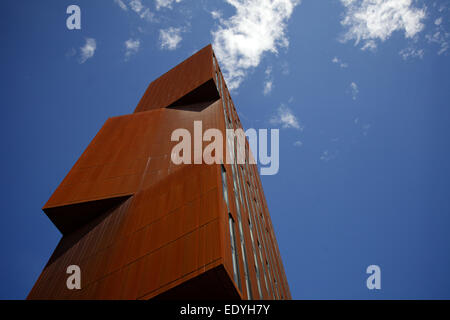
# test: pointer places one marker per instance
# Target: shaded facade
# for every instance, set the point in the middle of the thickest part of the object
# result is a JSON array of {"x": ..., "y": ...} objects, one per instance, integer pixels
[{"x": 141, "y": 227}]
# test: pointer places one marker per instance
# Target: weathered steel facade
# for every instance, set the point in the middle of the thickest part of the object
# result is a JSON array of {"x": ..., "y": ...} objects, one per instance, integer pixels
[{"x": 141, "y": 227}]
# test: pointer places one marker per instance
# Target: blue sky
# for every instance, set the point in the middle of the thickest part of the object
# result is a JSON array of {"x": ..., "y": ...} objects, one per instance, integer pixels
[{"x": 359, "y": 90}]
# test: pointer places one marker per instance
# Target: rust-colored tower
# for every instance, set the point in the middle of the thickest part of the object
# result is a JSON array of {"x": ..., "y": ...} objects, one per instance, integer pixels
[{"x": 141, "y": 227}]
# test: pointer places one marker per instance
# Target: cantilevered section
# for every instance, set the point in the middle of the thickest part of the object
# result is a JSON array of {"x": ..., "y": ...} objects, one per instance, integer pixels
[{"x": 189, "y": 83}]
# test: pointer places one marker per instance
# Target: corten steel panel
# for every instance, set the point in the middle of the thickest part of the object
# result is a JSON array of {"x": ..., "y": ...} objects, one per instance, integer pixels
[
  {"x": 179, "y": 81},
  {"x": 170, "y": 224},
  {"x": 140, "y": 226}
]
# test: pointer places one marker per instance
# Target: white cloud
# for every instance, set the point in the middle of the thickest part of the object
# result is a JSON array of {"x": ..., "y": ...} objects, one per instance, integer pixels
[
  {"x": 121, "y": 4},
  {"x": 285, "y": 118},
  {"x": 370, "y": 44},
  {"x": 165, "y": 3},
  {"x": 131, "y": 47},
  {"x": 285, "y": 70},
  {"x": 88, "y": 50},
  {"x": 257, "y": 27},
  {"x": 366, "y": 128},
  {"x": 444, "y": 47},
  {"x": 136, "y": 5},
  {"x": 438, "y": 21},
  {"x": 339, "y": 62},
  {"x": 298, "y": 143},
  {"x": 170, "y": 38},
  {"x": 354, "y": 90},
  {"x": 411, "y": 53},
  {"x": 142, "y": 11},
  {"x": 327, "y": 156},
  {"x": 268, "y": 84},
  {"x": 440, "y": 37},
  {"x": 216, "y": 14},
  {"x": 369, "y": 21}
]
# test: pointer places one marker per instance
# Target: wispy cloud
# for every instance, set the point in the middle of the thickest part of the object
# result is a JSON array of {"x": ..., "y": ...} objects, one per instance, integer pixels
[
  {"x": 339, "y": 62},
  {"x": 165, "y": 3},
  {"x": 268, "y": 83},
  {"x": 88, "y": 50},
  {"x": 369, "y": 21},
  {"x": 258, "y": 26},
  {"x": 410, "y": 52},
  {"x": 121, "y": 4},
  {"x": 285, "y": 70},
  {"x": 365, "y": 129},
  {"x": 138, "y": 7},
  {"x": 286, "y": 118},
  {"x": 354, "y": 90},
  {"x": 298, "y": 143},
  {"x": 142, "y": 11},
  {"x": 216, "y": 14},
  {"x": 440, "y": 36},
  {"x": 170, "y": 38},
  {"x": 327, "y": 155},
  {"x": 131, "y": 47}
]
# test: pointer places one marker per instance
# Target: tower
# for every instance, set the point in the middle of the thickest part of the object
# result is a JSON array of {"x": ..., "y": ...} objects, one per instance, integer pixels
[{"x": 140, "y": 226}]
